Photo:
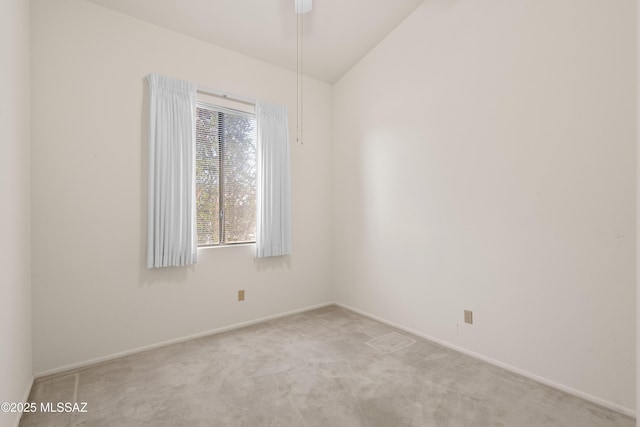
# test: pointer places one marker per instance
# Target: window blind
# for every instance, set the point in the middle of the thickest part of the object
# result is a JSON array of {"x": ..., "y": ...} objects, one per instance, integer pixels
[{"x": 225, "y": 176}]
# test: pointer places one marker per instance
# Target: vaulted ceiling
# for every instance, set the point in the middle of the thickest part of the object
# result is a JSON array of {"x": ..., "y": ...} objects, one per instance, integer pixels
[{"x": 337, "y": 33}]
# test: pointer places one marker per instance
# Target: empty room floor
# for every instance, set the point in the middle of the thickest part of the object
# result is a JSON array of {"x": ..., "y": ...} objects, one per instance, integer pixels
[{"x": 325, "y": 367}]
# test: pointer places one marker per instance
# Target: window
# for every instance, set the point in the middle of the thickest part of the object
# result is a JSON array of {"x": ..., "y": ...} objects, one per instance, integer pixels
[{"x": 225, "y": 176}]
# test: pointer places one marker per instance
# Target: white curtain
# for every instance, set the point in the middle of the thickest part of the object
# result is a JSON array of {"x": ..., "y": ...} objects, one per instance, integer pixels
[
  {"x": 273, "y": 234},
  {"x": 171, "y": 239}
]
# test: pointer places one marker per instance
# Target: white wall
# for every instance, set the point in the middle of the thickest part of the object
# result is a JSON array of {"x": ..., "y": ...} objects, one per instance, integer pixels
[
  {"x": 485, "y": 159},
  {"x": 637, "y": 211},
  {"x": 15, "y": 284},
  {"x": 93, "y": 297}
]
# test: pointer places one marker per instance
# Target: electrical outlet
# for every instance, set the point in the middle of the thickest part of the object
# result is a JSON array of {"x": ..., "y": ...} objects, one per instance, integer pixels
[
  {"x": 468, "y": 317},
  {"x": 241, "y": 295}
]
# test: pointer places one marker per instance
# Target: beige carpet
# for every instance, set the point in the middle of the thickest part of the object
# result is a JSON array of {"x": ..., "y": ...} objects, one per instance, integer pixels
[{"x": 326, "y": 367}]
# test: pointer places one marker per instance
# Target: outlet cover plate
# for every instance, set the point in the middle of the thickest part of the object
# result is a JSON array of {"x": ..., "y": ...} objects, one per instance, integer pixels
[{"x": 468, "y": 317}]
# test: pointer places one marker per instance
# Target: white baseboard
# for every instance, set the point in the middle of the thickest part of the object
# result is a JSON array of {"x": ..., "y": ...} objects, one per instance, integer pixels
[
  {"x": 538, "y": 378},
  {"x": 106, "y": 358},
  {"x": 25, "y": 398}
]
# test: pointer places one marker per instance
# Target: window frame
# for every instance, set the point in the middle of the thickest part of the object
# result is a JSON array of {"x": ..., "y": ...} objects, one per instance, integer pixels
[{"x": 221, "y": 110}]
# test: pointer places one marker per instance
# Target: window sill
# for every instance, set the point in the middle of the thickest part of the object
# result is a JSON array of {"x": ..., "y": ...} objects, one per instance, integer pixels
[{"x": 236, "y": 245}]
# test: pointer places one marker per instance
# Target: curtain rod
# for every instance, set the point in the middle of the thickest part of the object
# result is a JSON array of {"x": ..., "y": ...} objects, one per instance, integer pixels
[{"x": 226, "y": 95}]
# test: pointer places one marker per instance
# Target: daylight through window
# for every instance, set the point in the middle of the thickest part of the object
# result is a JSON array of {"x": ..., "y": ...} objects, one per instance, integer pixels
[{"x": 225, "y": 176}]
